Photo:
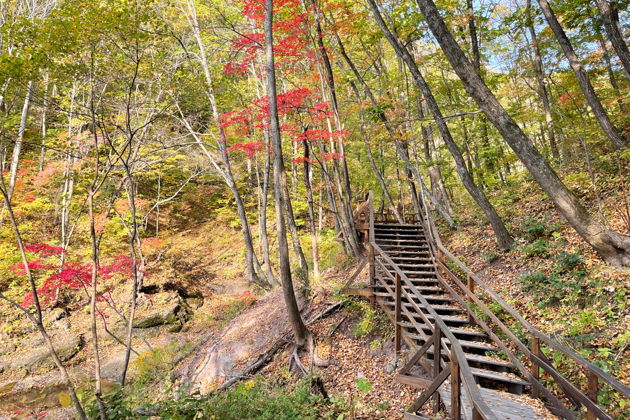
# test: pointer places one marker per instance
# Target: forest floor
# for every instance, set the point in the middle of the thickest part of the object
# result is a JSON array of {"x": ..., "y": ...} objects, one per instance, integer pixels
[
  {"x": 204, "y": 323},
  {"x": 196, "y": 291}
]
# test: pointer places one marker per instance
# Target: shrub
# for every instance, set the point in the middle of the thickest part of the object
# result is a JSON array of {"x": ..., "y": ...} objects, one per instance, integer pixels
[
  {"x": 538, "y": 248},
  {"x": 549, "y": 289},
  {"x": 568, "y": 261},
  {"x": 254, "y": 399},
  {"x": 533, "y": 228}
]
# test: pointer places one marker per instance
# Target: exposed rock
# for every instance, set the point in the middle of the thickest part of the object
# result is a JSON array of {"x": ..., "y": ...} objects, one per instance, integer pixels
[
  {"x": 66, "y": 345},
  {"x": 62, "y": 324},
  {"x": 111, "y": 368},
  {"x": 171, "y": 309},
  {"x": 390, "y": 367},
  {"x": 194, "y": 302},
  {"x": 6, "y": 344},
  {"x": 55, "y": 314}
]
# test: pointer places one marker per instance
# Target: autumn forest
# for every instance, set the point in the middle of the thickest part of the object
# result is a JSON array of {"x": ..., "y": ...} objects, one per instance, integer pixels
[{"x": 314, "y": 209}]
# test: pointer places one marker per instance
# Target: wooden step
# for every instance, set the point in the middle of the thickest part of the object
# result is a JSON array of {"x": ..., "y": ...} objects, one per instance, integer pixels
[
  {"x": 395, "y": 226},
  {"x": 477, "y": 345},
  {"x": 424, "y": 290},
  {"x": 498, "y": 376},
  {"x": 406, "y": 240},
  {"x": 446, "y": 318},
  {"x": 469, "y": 334},
  {"x": 401, "y": 234},
  {"x": 492, "y": 363}
]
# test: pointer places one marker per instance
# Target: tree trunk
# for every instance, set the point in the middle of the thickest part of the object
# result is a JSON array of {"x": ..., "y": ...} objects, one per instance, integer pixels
[
  {"x": 580, "y": 73},
  {"x": 254, "y": 270},
  {"x": 438, "y": 206},
  {"x": 435, "y": 175},
  {"x": 311, "y": 209},
  {"x": 295, "y": 318},
  {"x": 44, "y": 130},
  {"x": 609, "y": 70},
  {"x": 345, "y": 188},
  {"x": 264, "y": 236},
  {"x": 612, "y": 246},
  {"x": 540, "y": 80},
  {"x": 610, "y": 16},
  {"x": 17, "y": 148},
  {"x": 375, "y": 170},
  {"x": 504, "y": 240}
]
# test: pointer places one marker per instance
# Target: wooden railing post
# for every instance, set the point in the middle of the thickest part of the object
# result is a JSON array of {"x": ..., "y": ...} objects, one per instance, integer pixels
[
  {"x": 398, "y": 309},
  {"x": 456, "y": 412},
  {"x": 437, "y": 357},
  {"x": 535, "y": 369},
  {"x": 471, "y": 286},
  {"x": 593, "y": 388},
  {"x": 372, "y": 273}
]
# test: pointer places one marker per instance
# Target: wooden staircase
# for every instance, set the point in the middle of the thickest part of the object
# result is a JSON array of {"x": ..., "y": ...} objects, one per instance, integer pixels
[{"x": 436, "y": 315}]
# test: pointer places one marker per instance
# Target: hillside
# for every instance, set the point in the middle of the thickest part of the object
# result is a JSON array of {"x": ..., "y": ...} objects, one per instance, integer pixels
[{"x": 339, "y": 209}]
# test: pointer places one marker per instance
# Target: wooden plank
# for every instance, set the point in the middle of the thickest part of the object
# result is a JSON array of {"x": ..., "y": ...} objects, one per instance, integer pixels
[
  {"x": 414, "y": 381},
  {"x": 362, "y": 291}
]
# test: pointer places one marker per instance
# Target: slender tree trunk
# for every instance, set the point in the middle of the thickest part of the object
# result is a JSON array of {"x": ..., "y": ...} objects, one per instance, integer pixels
[
  {"x": 540, "y": 81},
  {"x": 610, "y": 16},
  {"x": 345, "y": 190},
  {"x": 504, "y": 240},
  {"x": 137, "y": 267},
  {"x": 17, "y": 148},
  {"x": 37, "y": 318},
  {"x": 612, "y": 246},
  {"x": 295, "y": 238},
  {"x": 580, "y": 73},
  {"x": 93, "y": 309},
  {"x": 609, "y": 70},
  {"x": 44, "y": 131},
  {"x": 295, "y": 318},
  {"x": 254, "y": 271},
  {"x": 311, "y": 209},
  {"x": 440, "y": 209},
  {"x": 264, "y": 236},
  {"x": 435, "y": 175},
  {"x": 376, "y": 172}
]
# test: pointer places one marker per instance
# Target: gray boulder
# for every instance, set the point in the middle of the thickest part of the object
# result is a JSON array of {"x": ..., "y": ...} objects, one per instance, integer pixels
[{"x": 67, "y": 345}]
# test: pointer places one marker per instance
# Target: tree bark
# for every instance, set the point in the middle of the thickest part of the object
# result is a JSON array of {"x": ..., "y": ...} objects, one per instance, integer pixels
[
  {"x": 438, "y": 206},
  {"x": 504, "y": 240},
  {"x": 345, "y": 187},
  {"x": 300, "y": 331},
  {"x": 610, "y": 16},
  {"x": 582, "y": 77},
  {"x": 612, "y": 246},
  {"x": 376, "y": 172},
  {"x": 611, "y": 73},
  {"x": 311, "y": 209},
  {"x": 17, "y": 148},
  {"x": 254, "y": 271},
  {"x": 540, "y": 81}
]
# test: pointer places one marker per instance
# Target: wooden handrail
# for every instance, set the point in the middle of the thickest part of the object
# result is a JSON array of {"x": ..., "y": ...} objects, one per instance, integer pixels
[
  {"x": 534, "y": 331},
  {"x": 594, "y": 373},
  {"x": 466, "y": 373}
]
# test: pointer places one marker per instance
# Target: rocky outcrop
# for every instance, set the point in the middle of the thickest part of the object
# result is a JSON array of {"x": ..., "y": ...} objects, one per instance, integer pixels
[
  {"x": 171, "y": 309},
  {"x": 66, "y": 345}
]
